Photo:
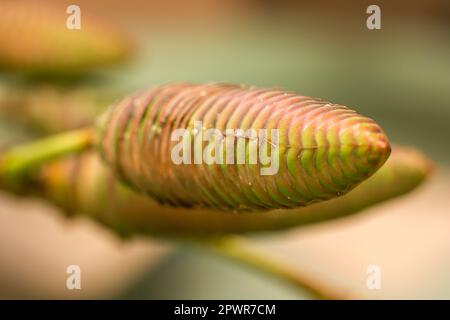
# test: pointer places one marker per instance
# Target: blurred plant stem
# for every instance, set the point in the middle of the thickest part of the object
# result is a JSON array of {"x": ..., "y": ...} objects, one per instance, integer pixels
[
  {"x": 241, "y": 251},
  {"x": 18, "y": 161}
]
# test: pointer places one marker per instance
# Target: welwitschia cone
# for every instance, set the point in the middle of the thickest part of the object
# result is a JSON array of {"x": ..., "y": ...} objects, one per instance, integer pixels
[
  {"x": 36, "y": 38},
  {"x": 317, "y": 150}
]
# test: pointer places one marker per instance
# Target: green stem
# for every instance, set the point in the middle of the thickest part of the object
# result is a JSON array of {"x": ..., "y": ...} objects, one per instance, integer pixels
[
  {"x": 19, "y": 161},
  {"x": 239, "y": 250}
]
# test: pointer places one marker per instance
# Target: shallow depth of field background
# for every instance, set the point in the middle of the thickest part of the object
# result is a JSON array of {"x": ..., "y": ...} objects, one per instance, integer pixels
[{"x": 399, "y": 75}]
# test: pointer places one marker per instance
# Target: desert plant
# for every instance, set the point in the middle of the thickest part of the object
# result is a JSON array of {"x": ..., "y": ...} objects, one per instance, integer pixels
[{"x": 327, "y": 150}]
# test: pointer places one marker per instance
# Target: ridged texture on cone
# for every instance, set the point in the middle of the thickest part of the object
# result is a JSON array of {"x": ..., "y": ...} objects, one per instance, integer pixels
[{"x": 325, "y": 149}]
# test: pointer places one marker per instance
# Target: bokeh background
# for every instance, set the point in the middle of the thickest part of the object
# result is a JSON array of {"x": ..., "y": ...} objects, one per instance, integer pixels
[{"x": 399, "y": 75}]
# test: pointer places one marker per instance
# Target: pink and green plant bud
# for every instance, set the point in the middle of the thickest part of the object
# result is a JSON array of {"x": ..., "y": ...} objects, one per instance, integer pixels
[
  {"x": 323, "y": 149},
  {"x": 34, "y": 38}
]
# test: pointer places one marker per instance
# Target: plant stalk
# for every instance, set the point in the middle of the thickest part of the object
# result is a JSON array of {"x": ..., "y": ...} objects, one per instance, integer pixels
[
  {"x": 17, "y": 162},
  {"x": 241, "y": 251}
]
